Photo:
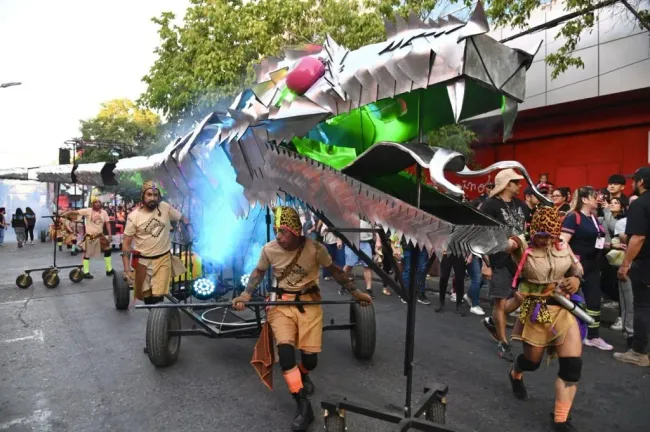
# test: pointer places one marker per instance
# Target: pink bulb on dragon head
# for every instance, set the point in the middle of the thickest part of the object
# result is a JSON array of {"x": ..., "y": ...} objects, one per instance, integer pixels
[{"x": 305, "y": 74}]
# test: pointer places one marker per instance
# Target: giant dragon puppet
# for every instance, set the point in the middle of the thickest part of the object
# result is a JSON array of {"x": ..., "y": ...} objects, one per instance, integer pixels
[{"x": 337, "y": 129}]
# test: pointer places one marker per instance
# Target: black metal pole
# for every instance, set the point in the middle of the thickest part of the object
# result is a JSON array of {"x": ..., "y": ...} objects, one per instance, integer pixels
[
  {"x": 269, "y": 276},
  {"x": 57, "y": 190},
  {"x": 411, "y": 312}
]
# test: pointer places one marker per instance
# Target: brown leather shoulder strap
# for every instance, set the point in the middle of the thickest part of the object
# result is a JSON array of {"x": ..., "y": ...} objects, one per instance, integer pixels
[{"x": 292, "y": 264}]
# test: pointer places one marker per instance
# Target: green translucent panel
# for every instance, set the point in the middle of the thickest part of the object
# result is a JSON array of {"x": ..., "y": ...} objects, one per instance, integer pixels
[{"x": 339, "y": 140}]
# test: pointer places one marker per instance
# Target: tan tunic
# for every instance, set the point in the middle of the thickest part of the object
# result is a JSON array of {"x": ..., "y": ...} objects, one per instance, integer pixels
[
  {"x": 543, "y": 269},
  {"x": 151, "y": 234},
  {"x": 289, "y": 325}
]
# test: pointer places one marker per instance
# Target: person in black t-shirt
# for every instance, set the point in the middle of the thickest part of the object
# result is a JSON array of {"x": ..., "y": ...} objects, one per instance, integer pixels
[
  {"x": 586, "y": 237},
  {"x": 499, "y": 269},
  {"x": 30, "y": 216},
  {"x": 19, "y": 224},
  {"x": 637, "y": 263}
]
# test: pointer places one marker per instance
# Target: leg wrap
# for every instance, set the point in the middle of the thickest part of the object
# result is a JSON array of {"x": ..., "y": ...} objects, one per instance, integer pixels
[
  {"x": 570, "y": 369},
  {"x": 308, "y": 362},
  {"x": 522, "y": 364},
  {"x": 287, "y": 354}
]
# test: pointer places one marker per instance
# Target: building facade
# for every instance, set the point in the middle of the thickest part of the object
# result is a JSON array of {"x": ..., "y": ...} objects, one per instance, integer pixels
[{"x": 588, "y": 123}]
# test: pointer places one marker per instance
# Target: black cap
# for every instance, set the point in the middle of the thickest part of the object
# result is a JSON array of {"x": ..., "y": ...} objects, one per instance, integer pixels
[
  {"x": 641, "y": 173},
  {"x": 541, "y": 189},
  {"x": 616, "y": 179}
]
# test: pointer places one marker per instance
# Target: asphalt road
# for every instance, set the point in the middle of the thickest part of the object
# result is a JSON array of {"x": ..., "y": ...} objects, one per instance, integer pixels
[{"x": 70, "y": 362}]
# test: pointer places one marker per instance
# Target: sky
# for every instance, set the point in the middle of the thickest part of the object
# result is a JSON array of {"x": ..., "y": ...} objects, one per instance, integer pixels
[{"x": 70, "y": 55}]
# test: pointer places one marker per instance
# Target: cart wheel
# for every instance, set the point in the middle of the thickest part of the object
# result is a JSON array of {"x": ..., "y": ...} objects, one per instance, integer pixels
[
  {"x": 24, "y": 281},
  {"x": 121, "y": 292},
  {"x": 52, "y": 280},
  {"x": 43, "y": 235},
  {"x": 46, "y": 273},
  {"x": 436, "y": 412},
  {"x": 163, "y": 349},
  {"x": 363, "y": 334},
  {"x": 76, "y": 275},
  {"x": 334, "y": 423}
]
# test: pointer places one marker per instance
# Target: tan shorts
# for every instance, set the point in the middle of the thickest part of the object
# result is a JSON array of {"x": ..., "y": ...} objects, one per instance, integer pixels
[
  {"x": 302, "y": 330},
  {"x": 152, "y": 277},
  {"x": 93, "y": 248}
]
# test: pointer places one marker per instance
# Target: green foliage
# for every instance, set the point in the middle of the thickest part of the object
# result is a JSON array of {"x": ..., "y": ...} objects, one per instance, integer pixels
[
  {"x": 456, "y": 137},
  {"x": 122, "y": 122},
  {"x": 516, "y": 13},
  {"x": 208, "y": 59}
]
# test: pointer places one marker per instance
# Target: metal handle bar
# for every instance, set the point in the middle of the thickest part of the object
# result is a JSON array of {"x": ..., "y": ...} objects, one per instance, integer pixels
[{"x": 200, "y": 306}]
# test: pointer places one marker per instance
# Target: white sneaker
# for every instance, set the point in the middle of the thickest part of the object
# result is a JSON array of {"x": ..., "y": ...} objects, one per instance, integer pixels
[
  {"x": 477, "y": 310},
  {"x": 452, "y": 297},
  {"x": 598, "y": 343},
  {"x": 618, "y": 325},
  {"x": 32, "y": 242},
  {"x": 467, "y": 299}
]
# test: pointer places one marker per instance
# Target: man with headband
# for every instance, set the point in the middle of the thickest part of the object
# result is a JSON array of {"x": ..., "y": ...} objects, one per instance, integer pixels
[
  {"x": 148, "y": 229},
  {"x": 94, "y": 241},
  {"x": 296, "y": 261}
]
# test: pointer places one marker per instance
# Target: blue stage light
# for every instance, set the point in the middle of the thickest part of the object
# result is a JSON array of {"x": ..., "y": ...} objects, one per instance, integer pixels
[{"x": 203, "y": 289}]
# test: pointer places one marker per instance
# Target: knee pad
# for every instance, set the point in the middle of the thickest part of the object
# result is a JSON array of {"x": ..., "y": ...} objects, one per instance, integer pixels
[
  {"x": 309, "y": 361},
  {"x": 287, "y": 354},
  {"x": 570, "y": 369},
  {"x": 107, "y": 254},
  {"x": 522, "y": 364}
]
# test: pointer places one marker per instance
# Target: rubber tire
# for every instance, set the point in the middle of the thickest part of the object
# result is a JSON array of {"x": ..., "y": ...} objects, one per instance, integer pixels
[
  {"x": 52, "y": 281},
  {"x": 121, "y": 291},
  {"x": 162, "y": 350},
  {"x": 24, "y": 281},
  {"x": 436, "y": 413},
  {"x": 43, "y": 235},
  {"x": 45, "y": 274},
  {"x": 363, "y": 336},
  {"x": 334, "y": 423},
  {"x": 76, "y": 275}
]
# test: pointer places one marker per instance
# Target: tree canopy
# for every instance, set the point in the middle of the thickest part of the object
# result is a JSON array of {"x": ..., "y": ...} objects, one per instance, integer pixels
[
  {"x": 120, "y": 122},
  {"x": 208, "y": 58}
]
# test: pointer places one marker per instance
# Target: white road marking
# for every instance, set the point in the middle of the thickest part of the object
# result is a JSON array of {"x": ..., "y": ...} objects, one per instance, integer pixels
[
  {"x": 13, "y": 302},
  {"x": 39, "y": 420},
  {"x": 38, "y": 335}
]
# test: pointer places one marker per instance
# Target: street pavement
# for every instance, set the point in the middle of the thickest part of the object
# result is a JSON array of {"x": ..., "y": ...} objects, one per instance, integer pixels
[{"x": 70, "y": 362}]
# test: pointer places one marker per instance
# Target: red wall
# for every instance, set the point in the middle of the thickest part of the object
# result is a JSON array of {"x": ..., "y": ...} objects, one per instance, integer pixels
[{"x": 578, "y": 143}]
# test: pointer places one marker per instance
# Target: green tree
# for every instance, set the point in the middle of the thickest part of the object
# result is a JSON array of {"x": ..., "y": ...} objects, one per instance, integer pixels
[
  {"x": 456, "y": 137},
  {"x": 123, "y": 123},
  {"x": 516, "y": 13},
  {"x": 206, "y": 60}
]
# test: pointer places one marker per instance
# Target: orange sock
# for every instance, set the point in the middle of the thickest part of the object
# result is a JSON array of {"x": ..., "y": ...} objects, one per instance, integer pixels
[
  {"x": 562, "y": 409},
  {"x": 517, "y": 375},
  {"x": 303, "y": 369},
  {"x": 293, "y": 379}
]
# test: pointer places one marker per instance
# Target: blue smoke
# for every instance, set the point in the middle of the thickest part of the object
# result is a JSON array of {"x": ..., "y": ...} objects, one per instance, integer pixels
[{"x": 224, "y": 240}]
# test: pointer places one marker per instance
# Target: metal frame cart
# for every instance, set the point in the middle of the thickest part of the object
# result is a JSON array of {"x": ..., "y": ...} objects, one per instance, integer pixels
[{"x": 50, "y": 274}]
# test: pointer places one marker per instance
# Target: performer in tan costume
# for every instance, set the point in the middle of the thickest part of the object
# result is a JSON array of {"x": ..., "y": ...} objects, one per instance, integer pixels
[
  {"x": 94, "y": 242},
  {"x": 296, "y": 261},
  {"x": 148, "y": 229}
]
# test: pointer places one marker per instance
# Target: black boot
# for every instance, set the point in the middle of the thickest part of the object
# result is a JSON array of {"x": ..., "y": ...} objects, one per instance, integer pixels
[
  {"x": 88, "y": 276},
  {"x": 304, "y": 415},
  {"x": 567, "y": 426},
  {"x": 307, "y": 384}
]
